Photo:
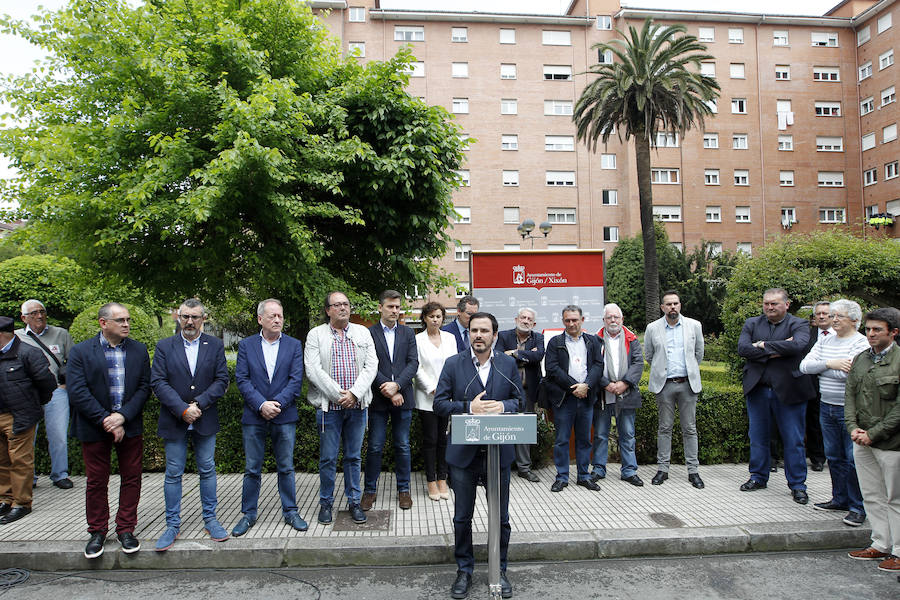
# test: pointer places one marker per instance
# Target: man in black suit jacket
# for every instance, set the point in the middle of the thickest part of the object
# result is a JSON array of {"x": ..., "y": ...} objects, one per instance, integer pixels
[
  {"x": 108, "y": 377},
  {"x": 189, "y": 376},
  {"x": 477, "y": 381},
  {"x": 465, "y": 308},
  {"x": 525, "y": 345},
  {"x": 773, "y": 345},
  {"x": 575, "y": 375},
  {"x": 392, "y": 398}
]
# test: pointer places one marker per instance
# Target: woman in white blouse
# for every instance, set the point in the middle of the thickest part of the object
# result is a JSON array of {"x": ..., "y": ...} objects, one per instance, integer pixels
[{"x": 434, "y": 346}]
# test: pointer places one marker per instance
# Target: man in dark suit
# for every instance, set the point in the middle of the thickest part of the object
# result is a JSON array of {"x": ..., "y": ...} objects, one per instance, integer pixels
[
  {"x": 189, "y": 376},
  {"x": 392, "y": 398},
  {"x": 527, "y": 347},
  {"x": 269, "y": 374},
  {"x": 465, "y": 308},
  {"x": 108, "y": 377},
  {"x": 575, "y": 375},
  {"x": 773, "y": 345},
  {"x": 477, "y": 381}
]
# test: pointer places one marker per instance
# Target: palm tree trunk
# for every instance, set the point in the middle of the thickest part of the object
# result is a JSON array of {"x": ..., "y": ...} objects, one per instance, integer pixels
[{"x": 648, "y": 232}]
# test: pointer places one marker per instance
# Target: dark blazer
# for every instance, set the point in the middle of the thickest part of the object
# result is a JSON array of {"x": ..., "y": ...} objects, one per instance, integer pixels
[
  {"x": 26, "y": 383},
  {"x": 557, "y": 366},
  {"x": 530, "y": 359},
  {"x": 253, "y": 380},
  {"x": 173, "y": 384},
  {"x": 87, "y": 382},
  {"x": 457, "y": 387},
  {"x": 782, "y": 372},
  {"x": 454, "y": 329},
  {"x": 401, "y": 371}
]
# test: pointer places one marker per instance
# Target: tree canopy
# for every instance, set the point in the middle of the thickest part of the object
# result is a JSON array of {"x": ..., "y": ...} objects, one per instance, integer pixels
[{"x": 217, "y": 147}]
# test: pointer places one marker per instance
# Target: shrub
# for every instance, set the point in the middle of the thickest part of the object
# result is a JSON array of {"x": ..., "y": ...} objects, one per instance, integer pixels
[{"x": 47, "y": 278}]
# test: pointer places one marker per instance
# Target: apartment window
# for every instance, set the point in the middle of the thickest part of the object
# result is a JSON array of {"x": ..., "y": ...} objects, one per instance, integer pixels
[
  {"x": 509, "y": 142},
  {"x": 664, "y": 175},
  {"x": 889, "y": 133},
  {"x": 868, "y": 141},
  {"x": 788, "y": 215},
  {"x": 557, "y": 72},
  {"x": 831, "y": 178},
  {"x": 739, "y": 141},
  {"x": 707, "y": 34},
  {"x": 711, "y": 177},
  {"x": 710, "y": 140},
  {"x": 870, "y": 177},
  {"x": 604, "y": 22},
  {"x": 356, "y": 49},
  {"x": 831, "y": 215},
  {"x": 678, "y": 246},
  {"x": 826, "y": 143},
  {"x": 739, "y": 106},
  {"x": 512, "y": 246},
  {"x": 884, "y": 22},
  {"x": 510, "y": 178},
  {"x": 708, "y": 69},
  {"x": 828, "y": 109},
  {"x": 356, "y": 14},
  {"x": 462, "y": 252},
  {"x": 604, "y": 57},
  {"x": 871, "y": 210},
  {"x": 464, "y": 141},
  {"x": 560, "y": 178},
  {"x": 866, "y": 106},
  {"x": 736, "y": 70},
  {"x": 409, "y": 33},
  {"x": 745, "y": 248},
  {"x": 667, "y": 213},
  {"x": 714, "y": 248},
  {"x": 713, "y": 214},
  {"x": 561, "y": 215},
  {"x": 782, "y": 72},
  {"x": 558, "y": 107},
  {"x": 826, "y": 74},
  {"x": 459, "y": 69},
  {"x": 890, "y": 170},
  {"x": 463, "y": 176},
  {"x": 611, "y": 234},
  {"x": 560, "y": 143},
  {"x": 888, "y": 96},
  {"x": 463, "y": 214},
  {"x": 741, "y": 214},
  {"x": 611, "y": 197},
  {"x": 416, "y": 69},
  {"x": 713, "y": 105},
  {"x": 459, "y": 34},
  {"x": 741, "y": 177},
  {"x": 779, "y": 38},
  {"x": 736, "y": 35},
  {"x": 865, "y": 70},
  {"x": 509, "y": 106},
  {"x": 786, "y": 178},
  {"x": 821, "y": 38},
  {"x": 786, "y": 142},
  {"x": 863, "y": 35},
  {"x": 607, "y": 161},
  {"x": 511, "y": 214},
  {"x": 665, "y": 140},
  {"x": 556, "y": 38},
  {"x": 885, "y": 60},
  {"x": 460, "y": 105},
  {"x": 507, "y": 36},
  {"x": 782, "y": 106},
  {"x": 507, "y": 71}
]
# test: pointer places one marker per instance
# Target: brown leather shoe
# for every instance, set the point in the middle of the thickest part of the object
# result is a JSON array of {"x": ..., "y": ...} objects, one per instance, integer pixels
[
  {"x": 890, "y": 565},
  {"x": 367, "y": 501},
  {"x": 405, "y": 500},
  {"x": 868, "y": 554}
]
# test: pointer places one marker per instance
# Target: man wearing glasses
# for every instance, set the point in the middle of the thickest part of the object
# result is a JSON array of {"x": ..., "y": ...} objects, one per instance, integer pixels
[
  {"x": 108, "y": 379},
  {"x": 55, "y": 343},
  {"x": 189, "y": 376}
]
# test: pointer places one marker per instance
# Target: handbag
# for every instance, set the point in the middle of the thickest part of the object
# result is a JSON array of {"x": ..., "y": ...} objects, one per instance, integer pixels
[{"x": 61, "y": 373}]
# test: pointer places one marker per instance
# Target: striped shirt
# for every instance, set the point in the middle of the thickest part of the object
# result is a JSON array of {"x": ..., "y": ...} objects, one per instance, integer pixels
[
  {"x": 343, "y": 361},
  {"x": 832, "y": 347},
  {"x": 115, "y": 368}
]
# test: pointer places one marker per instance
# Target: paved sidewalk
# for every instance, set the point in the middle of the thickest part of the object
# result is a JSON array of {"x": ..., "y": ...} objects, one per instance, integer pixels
[{"x": 620, "y": 520}]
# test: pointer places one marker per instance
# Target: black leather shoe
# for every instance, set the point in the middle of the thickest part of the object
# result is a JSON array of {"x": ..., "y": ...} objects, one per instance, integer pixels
[
  {"x": 800, "y": 496},
  {"x": 15, "y": 514},
  {"x": 460, "y": 587},
  {"x": 595, "y": 477},
  {"x": 752, "y": 485},
  {"x": 558, "y": 485},
  {"x": 634, "y": 480},
  {"x": 297, "y": 522},
  {"x": 817, "y": 465},
  {"x": 129, "y": 543},
  {"x": 357, "y": 514},
  {"x": 94, "y": 546},
  {"x": 5, "y": 507},
  {"x": 529, "y": 476},
  {"x": 830, "y": 505},
  {"x": 242, "y": 527},
  {"x": 505, "y": 586},
  {"x": 325, "y": 515},
  {"x": 64, "y": 484},
  {"x": 659, "y": 478},
  {"x": 695, "y": 480},
  {"x": 587, "y": 483}
]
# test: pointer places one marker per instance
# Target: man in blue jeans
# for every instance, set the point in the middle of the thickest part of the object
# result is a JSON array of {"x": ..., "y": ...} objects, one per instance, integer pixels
[
  {"x": 269, "y": 375},
  {"x": 189, "y": 376}
]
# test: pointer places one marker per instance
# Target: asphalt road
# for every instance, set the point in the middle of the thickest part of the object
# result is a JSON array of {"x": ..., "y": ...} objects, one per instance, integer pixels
[{"x": 827, "y": 575}]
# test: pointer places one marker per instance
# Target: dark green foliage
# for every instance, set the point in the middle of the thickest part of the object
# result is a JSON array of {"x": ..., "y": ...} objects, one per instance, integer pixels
[{"x": 50, "y": 279}]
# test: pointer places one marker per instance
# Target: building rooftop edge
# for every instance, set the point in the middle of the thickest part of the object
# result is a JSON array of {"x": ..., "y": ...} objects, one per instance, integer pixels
[
  {"x": 398, "y": 14},
  {"x": 733, "y": 17}
]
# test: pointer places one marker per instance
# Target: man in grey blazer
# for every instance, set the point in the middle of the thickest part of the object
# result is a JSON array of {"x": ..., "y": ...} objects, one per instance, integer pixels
[{"x": 673, "y": 345}]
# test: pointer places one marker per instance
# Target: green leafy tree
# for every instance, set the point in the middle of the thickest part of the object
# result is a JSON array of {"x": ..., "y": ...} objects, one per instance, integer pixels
[
  {"x": 653, "y": 85},
  {"x": 51, "y": 279},
  {"x": 224, "y": 147}
]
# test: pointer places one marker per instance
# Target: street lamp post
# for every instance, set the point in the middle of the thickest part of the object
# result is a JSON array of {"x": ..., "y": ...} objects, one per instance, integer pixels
[{"x": 527, "y": 226}]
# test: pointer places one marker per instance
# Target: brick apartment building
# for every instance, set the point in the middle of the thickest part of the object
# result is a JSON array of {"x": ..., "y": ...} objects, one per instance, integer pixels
[{"x": 804, "y": 135}]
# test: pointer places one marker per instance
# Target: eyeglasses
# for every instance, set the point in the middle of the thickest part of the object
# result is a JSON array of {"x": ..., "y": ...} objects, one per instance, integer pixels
[
  {"x": 35, "y": 313},
  {"x": 120, "y": 320},
  {"x": 836, "y": 316},
  {"x": 339, "y": 305},
  {"x": 191, "y": 317}
]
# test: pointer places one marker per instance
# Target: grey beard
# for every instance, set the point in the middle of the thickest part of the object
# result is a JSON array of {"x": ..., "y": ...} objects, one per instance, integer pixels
[{"x": 521, "y": 329}]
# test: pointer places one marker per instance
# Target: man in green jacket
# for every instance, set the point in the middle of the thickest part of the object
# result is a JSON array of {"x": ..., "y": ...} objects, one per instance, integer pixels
[{"x": 872, "y": 416}]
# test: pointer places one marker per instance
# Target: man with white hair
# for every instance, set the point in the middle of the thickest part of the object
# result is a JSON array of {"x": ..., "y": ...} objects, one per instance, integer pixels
[{"x": 623, "y": 361}]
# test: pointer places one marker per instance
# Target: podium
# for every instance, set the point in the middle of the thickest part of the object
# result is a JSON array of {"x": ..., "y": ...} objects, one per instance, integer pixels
[{"x": 493, "y": 431}]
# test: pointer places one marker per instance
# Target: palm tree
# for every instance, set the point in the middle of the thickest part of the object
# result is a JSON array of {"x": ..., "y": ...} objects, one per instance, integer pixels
[{"x": 653, "y": 85}]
